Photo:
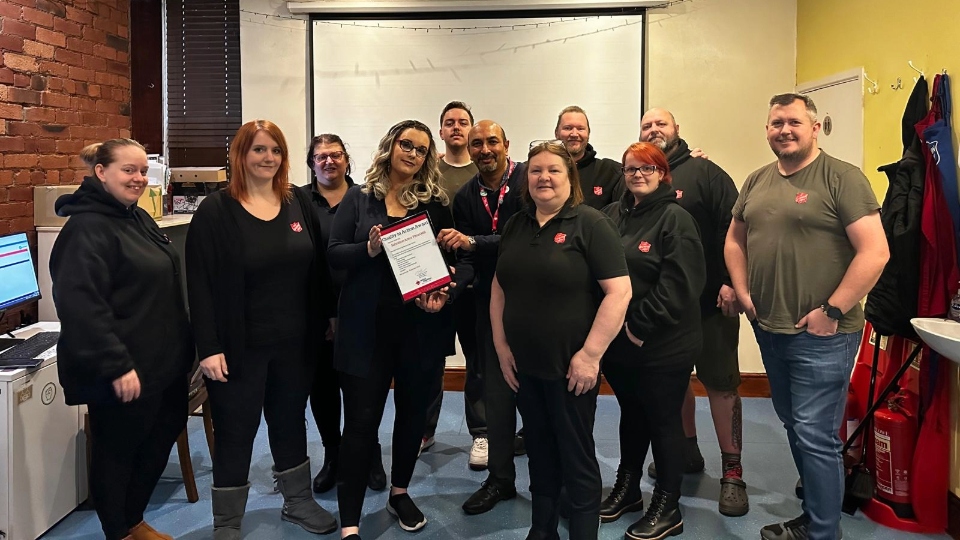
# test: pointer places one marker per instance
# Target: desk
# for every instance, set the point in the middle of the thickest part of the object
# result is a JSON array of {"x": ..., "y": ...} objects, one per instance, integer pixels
[{"x": 40, "y": 435}]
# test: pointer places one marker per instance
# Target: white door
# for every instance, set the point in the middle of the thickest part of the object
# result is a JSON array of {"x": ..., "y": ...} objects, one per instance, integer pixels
[{"x": 839, "y": 100}]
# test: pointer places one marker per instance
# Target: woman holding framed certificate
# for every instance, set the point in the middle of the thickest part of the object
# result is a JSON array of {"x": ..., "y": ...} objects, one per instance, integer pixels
[
  {"x": 558, "y": 299},
  {"x": 381, "y": 337}
]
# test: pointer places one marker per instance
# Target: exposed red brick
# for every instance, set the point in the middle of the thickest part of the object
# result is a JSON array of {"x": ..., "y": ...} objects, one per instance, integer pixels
[
  {"x": 31, "y": 146},
  {"x": 123, "y": 82},
  {"x": 79, "y": 16},
  {"x": 51, "y": 37},
  {"x": 47, "y": 146},
  {"x": 6, "y": 178},
  {"x": 53, "y": 99},
  {"x": 54, "y": 162},
  {"x": 120, "y": 68},
  {"x": 11, "y": 112},
  {"x": 40, "y": 114},
  {"x": 123, "y": 57},
  {"x": 68, "y": 117},
  {"x": 82, "y": 46},
  {"x": 81, "y": 74},
  {"x": 20, "y": 80},
  {"x": 38, "y": 178},
  {"x": 55, "y": 83},
  {"x": 38, "y": 82},
  {"x": 53, "y": 177},
  {"x": 93, "y": 90},
  {"x": 71, "y": 146},
  {"x": 68, "y": 57},
  {"x": 105, "y": 24},
  {"x": 54, "y": 68},
  {"x": 86, "y": 104},
  {"x": 104, "y": 51},
  {"x": 109, "y": 107},
  {"x": 24, "y": 129},
  {"x": 41, "y": 18},
  {"x": 6, "y": 76},
  {"x": 22, "y": 160},
  {"x": 123, "y": 31},
  {"x": 11, "y": 144},
  {"x": 94, "y": 63},
  {"x": 52, "y": 7},
  {"x": 15, "y": 209},
  {"x": 67, "y": 27},
  {"x": 9, "y": 10},
  {"x": 20, "y": 62},
  {"x": 94, "y": 35},
  {"x": 35, "y": 48},
  {"x": 20, "y": 95},
  {"x": 70, "y": 86},
  {"x": 10, "y": 26},
  {"x": 11, "y": 43}
]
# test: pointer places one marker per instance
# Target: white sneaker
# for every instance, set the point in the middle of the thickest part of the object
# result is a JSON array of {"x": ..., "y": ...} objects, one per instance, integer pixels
[{"x": 478, "y": 454}]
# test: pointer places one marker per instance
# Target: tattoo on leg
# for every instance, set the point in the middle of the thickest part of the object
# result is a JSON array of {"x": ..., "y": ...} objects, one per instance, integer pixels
[{"x": 737, "y": 423}]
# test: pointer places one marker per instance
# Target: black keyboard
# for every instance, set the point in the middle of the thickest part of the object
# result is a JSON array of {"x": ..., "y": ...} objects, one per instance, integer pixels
[{"x": 32, "y": 347}]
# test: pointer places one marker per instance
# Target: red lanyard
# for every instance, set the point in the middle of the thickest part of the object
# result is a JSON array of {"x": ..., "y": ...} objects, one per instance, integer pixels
[{"x": 495, "y": 216}]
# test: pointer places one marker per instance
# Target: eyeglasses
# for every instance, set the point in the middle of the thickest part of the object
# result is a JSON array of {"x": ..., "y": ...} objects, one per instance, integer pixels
[
  {"x": 645, "y": 170},
  {"x": 407, "y": 146},
  {"x": 320, "y": 158}
]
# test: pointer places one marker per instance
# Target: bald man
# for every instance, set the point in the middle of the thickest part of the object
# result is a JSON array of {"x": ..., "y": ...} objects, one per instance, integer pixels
[{"x": 708, "y": 193}]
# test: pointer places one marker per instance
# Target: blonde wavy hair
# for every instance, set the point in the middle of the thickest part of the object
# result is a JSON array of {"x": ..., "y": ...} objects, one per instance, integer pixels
[{"x": 425, "y": 186}]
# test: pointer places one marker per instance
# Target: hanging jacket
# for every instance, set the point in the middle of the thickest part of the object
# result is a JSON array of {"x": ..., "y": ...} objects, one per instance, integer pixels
[
  {"x": 939, "y": 141},
  {"x": 893, "y": 300}
]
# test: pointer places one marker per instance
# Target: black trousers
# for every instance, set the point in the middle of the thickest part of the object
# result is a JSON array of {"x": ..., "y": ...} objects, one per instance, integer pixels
[
  {"x": 558, "y": 428},
  {"x": 130, "y": 447},
  {"x": 396, "y": 358},
  {"x": 465, "y": 315},
  {"x": 275, "y": 383},
  {"x": 650, "y": 404},
  {"x": 325, "y": 397},
  {"x": 501, "y": 406}
]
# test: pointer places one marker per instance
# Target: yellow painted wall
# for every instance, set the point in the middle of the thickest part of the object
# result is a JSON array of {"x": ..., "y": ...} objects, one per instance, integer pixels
[{"x": 881, "y": 36}]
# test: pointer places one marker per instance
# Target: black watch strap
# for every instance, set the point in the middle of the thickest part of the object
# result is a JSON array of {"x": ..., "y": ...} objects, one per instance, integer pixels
[{"x": 832, "y": 311}]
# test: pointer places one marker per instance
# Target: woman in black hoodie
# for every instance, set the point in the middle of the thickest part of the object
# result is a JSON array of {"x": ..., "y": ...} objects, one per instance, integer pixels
[
  {"x": 649, "y": 363},
  {"x": 125, "y": 347}
]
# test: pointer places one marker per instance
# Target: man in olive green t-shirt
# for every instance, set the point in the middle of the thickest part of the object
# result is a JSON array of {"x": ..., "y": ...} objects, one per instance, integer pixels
[{"x": 804, "y": 247}]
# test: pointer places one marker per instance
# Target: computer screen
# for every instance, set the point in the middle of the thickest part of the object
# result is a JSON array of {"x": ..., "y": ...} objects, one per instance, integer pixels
[{"x": 18, "y": 280}]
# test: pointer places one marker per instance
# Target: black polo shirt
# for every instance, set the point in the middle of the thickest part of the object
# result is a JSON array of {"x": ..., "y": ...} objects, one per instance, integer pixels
[
  {"x": 549, "y": 276},
  {"x": 325, "y": 214}
]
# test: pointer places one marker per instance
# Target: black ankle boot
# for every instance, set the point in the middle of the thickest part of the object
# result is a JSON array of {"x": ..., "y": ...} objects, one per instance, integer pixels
[
  {"x": 624, "y": 497},
  {"x": 662, "y": 519},
  {"x": 327, "y": 477}
]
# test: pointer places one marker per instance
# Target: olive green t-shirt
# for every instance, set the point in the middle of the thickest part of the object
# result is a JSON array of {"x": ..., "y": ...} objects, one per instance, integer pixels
[
  {"x": 453, "y": 177},
  {"x": 797, "y": 246}
]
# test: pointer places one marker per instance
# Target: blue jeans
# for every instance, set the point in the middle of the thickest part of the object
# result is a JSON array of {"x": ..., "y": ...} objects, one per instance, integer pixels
[{"x": 809, "y": 376}]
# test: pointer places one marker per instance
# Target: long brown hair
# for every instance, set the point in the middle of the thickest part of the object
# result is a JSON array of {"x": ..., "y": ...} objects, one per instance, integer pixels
[{"x": 241, "y": 144}]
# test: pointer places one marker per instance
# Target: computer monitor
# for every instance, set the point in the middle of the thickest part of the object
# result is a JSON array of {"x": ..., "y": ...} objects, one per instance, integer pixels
[{"x": 18, "y": 279}]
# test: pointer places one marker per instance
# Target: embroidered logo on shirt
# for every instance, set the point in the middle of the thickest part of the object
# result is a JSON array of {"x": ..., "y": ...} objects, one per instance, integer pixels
[
  {"x": 598, "y": 190},
  {"x": 560, "y": 238},
  {"x": 801, "y": 198},
  {"x": 679, "y": 193},
  {"x": 296, "y": 226},
  {"x": 644, "y": 246}
]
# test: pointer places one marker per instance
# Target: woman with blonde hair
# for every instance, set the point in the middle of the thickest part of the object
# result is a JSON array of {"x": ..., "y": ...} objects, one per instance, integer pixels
[
  {"x": 259, "y": 286},
  {"x": 117, "y": 288},
  {"x": 379, "y": 338}
]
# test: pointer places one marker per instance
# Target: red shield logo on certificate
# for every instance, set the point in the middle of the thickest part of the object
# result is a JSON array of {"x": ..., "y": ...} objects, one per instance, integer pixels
[
  {"x": 679, "y": 193},
  {"x": 644, "y": 247},
  {"x": 560, "y": 238},
  {"x": 598, "y": 190},
  {"x": 801, "y": 198},
  {"x": 296, "y": 226}
]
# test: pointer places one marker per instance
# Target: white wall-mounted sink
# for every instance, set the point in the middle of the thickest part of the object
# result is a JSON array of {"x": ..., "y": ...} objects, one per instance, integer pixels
[{"x": 941, "y": 335}]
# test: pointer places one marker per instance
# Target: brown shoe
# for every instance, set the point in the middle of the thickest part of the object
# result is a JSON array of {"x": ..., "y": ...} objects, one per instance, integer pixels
[{"x": 143, "y": 531}]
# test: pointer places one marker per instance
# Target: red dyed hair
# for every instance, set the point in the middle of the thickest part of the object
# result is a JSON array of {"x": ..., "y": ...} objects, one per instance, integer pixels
[
  {"x": 242, "y": 142},
  {"x": 650, "y": 154}
]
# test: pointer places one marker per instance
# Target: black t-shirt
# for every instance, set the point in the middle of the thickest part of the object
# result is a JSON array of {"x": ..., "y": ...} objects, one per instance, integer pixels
[
  {"x": 549, "y": 276},
  {"x": 276, "y": 265}
]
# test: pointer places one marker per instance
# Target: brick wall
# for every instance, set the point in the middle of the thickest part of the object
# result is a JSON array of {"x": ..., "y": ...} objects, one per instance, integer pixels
[{"x": 64, "y": 83}]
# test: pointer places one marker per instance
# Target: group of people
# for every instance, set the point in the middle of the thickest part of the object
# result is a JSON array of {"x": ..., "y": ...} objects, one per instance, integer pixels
[{"x": 564, "y": 267}]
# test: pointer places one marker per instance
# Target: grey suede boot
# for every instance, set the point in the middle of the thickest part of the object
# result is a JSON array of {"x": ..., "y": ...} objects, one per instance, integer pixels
[
  {"x": 229, "y": 505},
  {"x": 298, "y": 504}
]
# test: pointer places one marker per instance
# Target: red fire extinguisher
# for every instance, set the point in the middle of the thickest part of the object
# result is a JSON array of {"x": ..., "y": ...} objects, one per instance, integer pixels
[{"x": 895, "y": 438}]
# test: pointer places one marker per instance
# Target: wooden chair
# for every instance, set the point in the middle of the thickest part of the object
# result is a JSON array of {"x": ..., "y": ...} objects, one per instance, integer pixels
[{"x": 198, "y": 400}]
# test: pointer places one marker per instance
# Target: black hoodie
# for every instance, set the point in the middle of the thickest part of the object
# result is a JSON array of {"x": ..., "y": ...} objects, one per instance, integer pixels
[
  {"x": 708, "y": 193},
  {"x": 667, "y": 272},
  {"x": 117, "y": 289},
  {"x": 601, "y": 180}
]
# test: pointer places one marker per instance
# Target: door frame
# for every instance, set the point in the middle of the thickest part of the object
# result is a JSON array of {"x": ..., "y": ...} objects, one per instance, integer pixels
[{"x": 851, "y": 75}]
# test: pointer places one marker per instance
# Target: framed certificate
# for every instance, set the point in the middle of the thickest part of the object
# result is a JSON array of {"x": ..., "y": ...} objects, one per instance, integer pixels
[{"x": 414, "y": 255}]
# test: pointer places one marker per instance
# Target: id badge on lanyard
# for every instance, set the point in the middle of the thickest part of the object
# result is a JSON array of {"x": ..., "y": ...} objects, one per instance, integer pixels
[{"x": 495, "y": 216}]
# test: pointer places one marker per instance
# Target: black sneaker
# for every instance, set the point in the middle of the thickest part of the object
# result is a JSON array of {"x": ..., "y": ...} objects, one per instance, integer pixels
[
  {"x": 402, "y": 507},
  {"x": 795, "y": 529}
]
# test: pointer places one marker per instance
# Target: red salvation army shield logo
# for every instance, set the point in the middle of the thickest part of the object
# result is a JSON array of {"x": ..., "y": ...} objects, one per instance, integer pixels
[
  {"x": 801, "y": 198},
  {"x": 644, "y": 246},
  {"x": 296, "y": 226},
  {"x": 598, "y": 190},
  {"x": 560, "y": 238},
  {"x": 679, "y": 193}
]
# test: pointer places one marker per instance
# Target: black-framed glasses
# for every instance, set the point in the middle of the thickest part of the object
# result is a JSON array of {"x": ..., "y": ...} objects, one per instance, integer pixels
[
  {"x": 645, "y": 170},
  {"x": 407, "y": 146},
  {"x": 335, "y": 156}
]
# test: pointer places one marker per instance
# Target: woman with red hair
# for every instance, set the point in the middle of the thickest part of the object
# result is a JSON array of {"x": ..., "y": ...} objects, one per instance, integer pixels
[
  {"x": 648, "y": 365},
  {"x": 259, "y": 289}
]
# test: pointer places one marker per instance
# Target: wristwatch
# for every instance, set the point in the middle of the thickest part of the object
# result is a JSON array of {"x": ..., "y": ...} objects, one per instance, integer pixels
[
  {"x": 472, "y": 241},
  {"x": 832, "y": 312}
]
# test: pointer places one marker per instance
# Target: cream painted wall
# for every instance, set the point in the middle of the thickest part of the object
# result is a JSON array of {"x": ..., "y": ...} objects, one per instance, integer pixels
[
  {"x": 715, "y": 64},
  {"x": 273, "y": 72},
  {"x": 881, "y": 36}
]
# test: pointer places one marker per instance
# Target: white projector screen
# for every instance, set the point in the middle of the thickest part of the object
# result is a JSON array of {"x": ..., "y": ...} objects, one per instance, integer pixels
[{"x": 368, "y": 75}]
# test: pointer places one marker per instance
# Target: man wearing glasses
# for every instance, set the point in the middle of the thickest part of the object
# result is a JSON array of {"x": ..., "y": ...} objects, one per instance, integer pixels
[
  {"x": 480, "y": 210},
  {"x": 456, "y": 169},
  {"x": 708, "y": 194},
  {"x": 600, "y": 178}
]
